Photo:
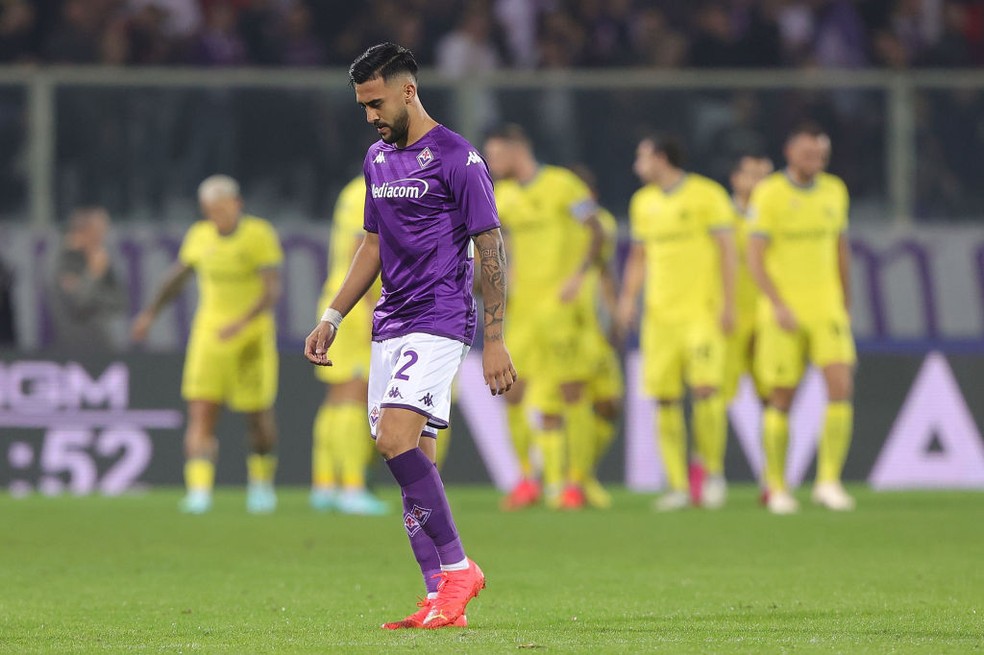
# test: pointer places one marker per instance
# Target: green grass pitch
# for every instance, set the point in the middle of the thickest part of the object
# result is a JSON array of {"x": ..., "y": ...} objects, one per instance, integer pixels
[{"x": 902, "y": 574}]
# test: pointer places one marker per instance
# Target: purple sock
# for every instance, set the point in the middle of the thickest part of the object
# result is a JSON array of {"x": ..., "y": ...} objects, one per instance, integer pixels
[
  {"x": 423, "y": 550},
  {"x": 426, "y": 504}
]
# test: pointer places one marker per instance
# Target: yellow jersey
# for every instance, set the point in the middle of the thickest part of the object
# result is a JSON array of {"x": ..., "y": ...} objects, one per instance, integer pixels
[
  {"x": 346, "y": 231},
  {"x": 746, "y": 291},
  {"x": 803, "y": 226},
  {"x": 591, "y": 289},
  {"x": 676, "y": 227},
  {"x": 544, "y": 223},
  {"x": 228, "y": 269}
]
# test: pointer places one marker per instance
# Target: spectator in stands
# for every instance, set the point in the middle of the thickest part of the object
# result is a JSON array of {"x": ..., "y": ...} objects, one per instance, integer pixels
[
  {"x": 298, "y": 44},
  {"x": 952, "y": 49},
  {"x": 469, "y": 49},
  {"x": 76, "y": 38},
  {"x": 714, "y": 45},
  {"x": 17, "y": 25},
  {"x": 87, "y": 295},
  {"x": 656, "y": 43},
  {"x": 220, "y": 43},
  {"x": 182, "y": 19}
]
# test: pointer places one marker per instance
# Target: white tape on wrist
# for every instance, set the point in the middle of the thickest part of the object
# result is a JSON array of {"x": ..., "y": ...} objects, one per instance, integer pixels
[{"x": 333, "y": 316}]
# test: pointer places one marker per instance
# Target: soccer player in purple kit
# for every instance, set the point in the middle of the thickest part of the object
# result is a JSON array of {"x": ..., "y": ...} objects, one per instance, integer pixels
[{"x": 428, "y": 198}]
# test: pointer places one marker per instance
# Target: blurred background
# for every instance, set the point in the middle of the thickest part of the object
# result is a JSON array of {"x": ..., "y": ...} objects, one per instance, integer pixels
[{"x": 121, "y": 107}]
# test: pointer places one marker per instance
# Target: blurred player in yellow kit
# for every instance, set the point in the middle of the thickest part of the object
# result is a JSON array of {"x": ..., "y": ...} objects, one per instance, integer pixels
[
  {"x": 342, "y": 447},
  {"x": 605, "y": 386},
  {"x": 800, "y": 257},
  {"x": 555, "y": 239},
  {"x": 748, "y": 171},
  {"x": 232, "y": 355},
  {"x": 684, "y": 253}
]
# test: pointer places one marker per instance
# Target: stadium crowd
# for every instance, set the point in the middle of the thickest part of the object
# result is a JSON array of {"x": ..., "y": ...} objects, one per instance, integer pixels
[{"x": 460, "y": 37}]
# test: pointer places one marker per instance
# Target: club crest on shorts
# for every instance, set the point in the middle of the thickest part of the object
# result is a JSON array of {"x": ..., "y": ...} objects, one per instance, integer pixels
[
  {"x": 415, "y": 519},
  {"x": 425, "y": 157},
  {"x": 374, "y": 416}
]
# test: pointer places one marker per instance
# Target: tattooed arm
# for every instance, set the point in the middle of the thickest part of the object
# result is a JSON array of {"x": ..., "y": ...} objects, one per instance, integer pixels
[{"x": 498, "y": 368}]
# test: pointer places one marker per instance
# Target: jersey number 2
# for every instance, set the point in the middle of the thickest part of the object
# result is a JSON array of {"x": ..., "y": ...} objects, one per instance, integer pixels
[{"x": 412, "y": 356}]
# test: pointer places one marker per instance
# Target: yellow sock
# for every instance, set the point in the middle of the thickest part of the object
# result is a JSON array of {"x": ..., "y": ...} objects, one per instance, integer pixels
[
  {"x": 199, "y": 474},
  {"x": 835, "y": 441},
  {"x": 521, "y": 435},
  {"x": 322, "y": 456},
  {"x": 261, "y": 468},
  {"x": 579, "y": 428},
  {"x": 604, "y": 433},
  {"x": 775, "y": 438},
  {"x": 711, "y": 432},
  {"x": 350, "y": 439},
  {"x": 673, "y": 445},
  {"x": 551, "y": 445},
  {"x": 443, "y": 443}
]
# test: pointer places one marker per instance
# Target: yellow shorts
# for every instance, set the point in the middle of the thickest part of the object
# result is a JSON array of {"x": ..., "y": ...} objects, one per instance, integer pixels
[
  {"x": 350, "y": 352},
  {"x": 740, "y": 358},
  {"x": 521, "y": 341},
  {"x": 606, "y": 380},
  {"x": 560, "y": 353},
  {"x": 241, "y": 373},
  {"x": 674, "y": 353},
  {"x": 781, "y": 356}
]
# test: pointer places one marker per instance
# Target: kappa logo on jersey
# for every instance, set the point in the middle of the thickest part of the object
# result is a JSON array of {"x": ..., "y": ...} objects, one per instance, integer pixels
[
  {"x": 425, "y": 157},
  {"x": 380, "y": 159},
  {"x": 473, "y": 158},
  {"x": 409, "y": 187},
  {"x": 415, "y": 519},
  {"x": 395, "y": 393},
  {"x": 427, "y": 400}
]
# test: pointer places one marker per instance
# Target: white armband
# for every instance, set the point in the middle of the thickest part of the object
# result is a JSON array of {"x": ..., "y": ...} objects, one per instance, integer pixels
[{"x": 333, "y": 316}]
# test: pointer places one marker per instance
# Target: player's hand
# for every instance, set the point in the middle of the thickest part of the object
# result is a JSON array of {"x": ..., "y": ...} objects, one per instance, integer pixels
[
  {"x": 571, "y": 288},
  {"x": 231, "y": 330},
  {"x": 497, "y": 368},
  {"x": 625, "y": 317},
  {"x": 317, "y": 343},
  {"x": 140, "y": 328},
  {"x": 728, "y": 320},
  {"x": 785, "y": 318}
]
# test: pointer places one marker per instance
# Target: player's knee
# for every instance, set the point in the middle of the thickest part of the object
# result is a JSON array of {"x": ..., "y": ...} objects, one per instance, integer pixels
[
  {"x": 515, "y": 394},
  {"x": 840, "y": 388},
  {"x": 781, "y": 399},
  {"x": 572, "y": 392},
  {"x": 551, "y": 422},
  {"x": 703, "y": 393},
  {"x": 390, "y": 443},
  {"x": 607, "y": 409}
]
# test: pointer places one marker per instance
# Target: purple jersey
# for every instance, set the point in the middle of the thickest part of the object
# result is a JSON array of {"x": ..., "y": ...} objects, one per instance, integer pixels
[{"x": 426, "y": 201}]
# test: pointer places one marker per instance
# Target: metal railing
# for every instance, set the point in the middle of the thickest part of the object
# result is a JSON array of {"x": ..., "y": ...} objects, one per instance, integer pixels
[{"x": 893, "y": 95}]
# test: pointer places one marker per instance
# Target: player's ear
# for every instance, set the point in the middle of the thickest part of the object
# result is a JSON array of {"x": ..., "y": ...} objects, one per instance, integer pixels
[{"x": 409, "y": 91}]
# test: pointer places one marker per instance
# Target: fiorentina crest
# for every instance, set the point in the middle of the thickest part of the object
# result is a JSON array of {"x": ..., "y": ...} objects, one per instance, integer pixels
[
  {"x": 415, "y": 519},
  {"x": 425, "y": 157}
]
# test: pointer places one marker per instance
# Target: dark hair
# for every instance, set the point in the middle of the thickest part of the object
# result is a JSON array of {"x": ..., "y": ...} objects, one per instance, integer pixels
[
  {"x": 668, "y": 146},
  {"x": 509, "y": 132},
  {"x": 384, "y": 60},
  {"x": 751, "y": 154},
  {"x": 807, "y": 128}
]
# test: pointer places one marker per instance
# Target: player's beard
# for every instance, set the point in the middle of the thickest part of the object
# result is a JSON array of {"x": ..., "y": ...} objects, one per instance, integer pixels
[{"x": 398, "y": 129}]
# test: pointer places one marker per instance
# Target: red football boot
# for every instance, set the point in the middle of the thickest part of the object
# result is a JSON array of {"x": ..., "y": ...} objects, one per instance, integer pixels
[{"x": 454, "y": 592}]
